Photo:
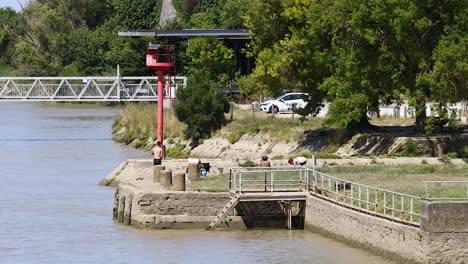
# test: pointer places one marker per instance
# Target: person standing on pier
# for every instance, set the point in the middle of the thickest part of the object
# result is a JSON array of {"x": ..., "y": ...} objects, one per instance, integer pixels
[{"x": 157, "y": 154}]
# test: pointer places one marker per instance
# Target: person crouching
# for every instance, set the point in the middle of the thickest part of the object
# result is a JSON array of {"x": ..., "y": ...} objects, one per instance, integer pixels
[{"x": 298, "y": 161}]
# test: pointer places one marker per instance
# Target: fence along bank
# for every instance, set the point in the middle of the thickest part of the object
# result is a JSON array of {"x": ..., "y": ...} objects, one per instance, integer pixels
[{"x": 395, "y": 225}]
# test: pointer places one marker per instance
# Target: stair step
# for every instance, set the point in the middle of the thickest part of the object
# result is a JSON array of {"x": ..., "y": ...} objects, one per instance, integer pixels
[{"x": 223, "y": 213}]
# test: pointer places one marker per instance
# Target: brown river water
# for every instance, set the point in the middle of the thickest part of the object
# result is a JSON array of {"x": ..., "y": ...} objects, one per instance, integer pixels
[{"x": 52, "y": 157}]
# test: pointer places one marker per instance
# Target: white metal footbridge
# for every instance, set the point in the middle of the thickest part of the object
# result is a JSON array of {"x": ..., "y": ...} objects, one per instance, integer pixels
[{"x": 86, "y": 89}]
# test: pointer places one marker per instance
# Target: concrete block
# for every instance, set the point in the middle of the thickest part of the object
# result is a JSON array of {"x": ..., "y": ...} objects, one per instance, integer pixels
[
  {"x": 157, "y": 173},
  {"x": 179, "y": 182},
  {"x": 166, "y": 178},
  {"x": 444, "y": 217},
  {"x": 193, "y": 171}
]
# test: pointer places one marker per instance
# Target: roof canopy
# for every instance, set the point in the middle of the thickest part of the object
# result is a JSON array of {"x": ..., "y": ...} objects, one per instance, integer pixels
[{"x": 187, "y": 33}]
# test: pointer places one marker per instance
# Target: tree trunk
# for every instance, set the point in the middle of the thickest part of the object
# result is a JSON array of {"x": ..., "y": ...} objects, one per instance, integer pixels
[{"x": 420, "y": 110}]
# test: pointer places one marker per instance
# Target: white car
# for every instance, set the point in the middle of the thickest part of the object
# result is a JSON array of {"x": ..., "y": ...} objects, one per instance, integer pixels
[{"x": 285, "y": 102}]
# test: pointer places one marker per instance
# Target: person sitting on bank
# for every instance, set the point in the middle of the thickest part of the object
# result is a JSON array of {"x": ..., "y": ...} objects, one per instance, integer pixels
[
  {"x": 157, "y": 154},
  {"x": 298, "y": 161},
  {"x": 264, "y": 162}
]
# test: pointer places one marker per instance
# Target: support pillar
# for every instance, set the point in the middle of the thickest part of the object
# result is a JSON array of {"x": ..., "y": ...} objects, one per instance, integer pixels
[{"x": 161, "y": 108}]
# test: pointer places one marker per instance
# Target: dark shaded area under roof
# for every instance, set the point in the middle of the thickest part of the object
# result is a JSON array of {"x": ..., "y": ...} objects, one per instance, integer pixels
[{"x": 187, "y": 33}]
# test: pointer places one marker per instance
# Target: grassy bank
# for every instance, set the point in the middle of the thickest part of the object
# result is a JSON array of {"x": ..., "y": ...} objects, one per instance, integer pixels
[
  {"x": 285, "y": 129},
  {"x": 137, "y": 125}
]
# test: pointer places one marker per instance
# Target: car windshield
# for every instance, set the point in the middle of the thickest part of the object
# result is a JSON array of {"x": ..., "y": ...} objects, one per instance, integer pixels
[{"x": 280, "y": 97}]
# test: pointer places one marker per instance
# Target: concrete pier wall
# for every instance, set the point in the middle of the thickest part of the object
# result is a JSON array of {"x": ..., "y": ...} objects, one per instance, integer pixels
[
  {"x": 442, "y": 238},
  {"x": 194, "y": 210},
  {"x": 389, "y": 239},
  {"x": 170, "y": 210},
  {"x": 446, "y": 227}
]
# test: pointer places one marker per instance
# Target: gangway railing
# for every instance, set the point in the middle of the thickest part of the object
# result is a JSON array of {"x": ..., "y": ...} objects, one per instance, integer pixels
[
  {"x": 267, "y": 179},
  {"x": 87, "y": 89},
  {"x": 388, "y": 204},
  {"x": 371, "y": 200}
]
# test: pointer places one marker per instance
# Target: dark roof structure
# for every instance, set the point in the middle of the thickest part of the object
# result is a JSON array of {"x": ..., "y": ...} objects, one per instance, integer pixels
[{"x": 187, "y": 33}]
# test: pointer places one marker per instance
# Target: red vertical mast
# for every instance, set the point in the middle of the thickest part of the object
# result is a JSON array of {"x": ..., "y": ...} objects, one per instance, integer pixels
[{"x": 161, "y": 58}]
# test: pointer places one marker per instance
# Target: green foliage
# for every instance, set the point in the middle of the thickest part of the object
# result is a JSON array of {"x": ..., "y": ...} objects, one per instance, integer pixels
[
  {"x": 234, "y": 136},
  {"x": 409, "y": 149},
  {"x": 138, "y": 14},
  {"x": 248, "y": 163},
  {"x": 201, "y": 106},
  {"x": 178, "y": 151},
  {"x": 324, "y": 155},
  {"x": 232, "y": 15},
  {"x": 377, "y": 49},
  {"x": 348, "y": 112}
]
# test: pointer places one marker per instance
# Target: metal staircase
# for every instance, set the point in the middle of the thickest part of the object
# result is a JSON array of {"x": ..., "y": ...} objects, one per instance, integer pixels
[{"x": 224, "y": 212}]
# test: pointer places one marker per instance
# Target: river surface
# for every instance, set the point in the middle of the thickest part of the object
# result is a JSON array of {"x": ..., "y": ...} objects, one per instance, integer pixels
[{"x": 52, "y": 157}]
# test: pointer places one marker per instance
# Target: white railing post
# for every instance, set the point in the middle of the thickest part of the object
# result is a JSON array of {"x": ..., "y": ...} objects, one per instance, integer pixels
[
  {"x": 271, "y": 182},
  {"x": 367, "y": 198},
  {"x": 402, "y": 206},
  {"x": 240, "y": 182},
  {"x": 376, "y": 200},
  {"x": 385, "y": 203},
  {"x": 359, "y": 194},
  {"x": 411, "y": 209}
]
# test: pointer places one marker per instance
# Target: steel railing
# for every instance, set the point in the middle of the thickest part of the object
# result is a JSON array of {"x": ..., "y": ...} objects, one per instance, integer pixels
[
  {"x": 376, "y": 201},
  {"x": 380, "y": 202},
  {"x": 259, "y": 179},
  {"x": 107, "y": 89}
]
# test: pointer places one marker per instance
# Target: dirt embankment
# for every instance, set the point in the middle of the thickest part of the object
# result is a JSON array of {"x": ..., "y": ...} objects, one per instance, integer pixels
[{"x": 391, "y": 141}]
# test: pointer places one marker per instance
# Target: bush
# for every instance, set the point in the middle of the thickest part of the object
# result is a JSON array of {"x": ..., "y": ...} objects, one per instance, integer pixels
[
  {"x": 409, "y": 149},
  {"x": 234, "y": 136},
  {"x": 178, "y": 152},
  {"x": 248, "y": 163},
  {"x": 327, "y": 156},
  {"x": 201, "y": 107}
]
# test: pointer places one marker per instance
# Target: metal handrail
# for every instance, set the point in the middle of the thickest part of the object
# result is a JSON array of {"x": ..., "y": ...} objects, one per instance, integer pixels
[
  {"x": 81, "y": 89},
  {"x": 395, "y": 206},
  {"x": 377, "y": 201},
  {"x": 388, "y": 204},
  {"x": 266, "y": 179}
]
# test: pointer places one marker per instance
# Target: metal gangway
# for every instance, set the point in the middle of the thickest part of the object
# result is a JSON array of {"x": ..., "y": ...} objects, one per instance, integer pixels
[
  {"x": 87, "y": 89},
  {"x": 251, "y": 184}
]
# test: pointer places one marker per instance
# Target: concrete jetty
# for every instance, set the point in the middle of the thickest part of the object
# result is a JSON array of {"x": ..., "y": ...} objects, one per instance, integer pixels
[{"x": 440, "y": 235}]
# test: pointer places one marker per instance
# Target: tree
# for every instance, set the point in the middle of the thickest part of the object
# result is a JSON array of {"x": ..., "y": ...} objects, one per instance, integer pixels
[
  {"x": 138, "y": 14},
  {"x": 10, "y": 21},
  {"x": 358, "y": 55},
  {"x": 201, "y": 105}
]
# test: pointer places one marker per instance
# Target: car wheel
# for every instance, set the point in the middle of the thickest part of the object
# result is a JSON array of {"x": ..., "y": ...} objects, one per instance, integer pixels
[{"x": 274, "y": 109}]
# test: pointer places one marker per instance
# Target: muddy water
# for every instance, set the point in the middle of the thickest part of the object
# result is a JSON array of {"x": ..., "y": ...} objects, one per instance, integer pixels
[{"x": 53, "y": 211}]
